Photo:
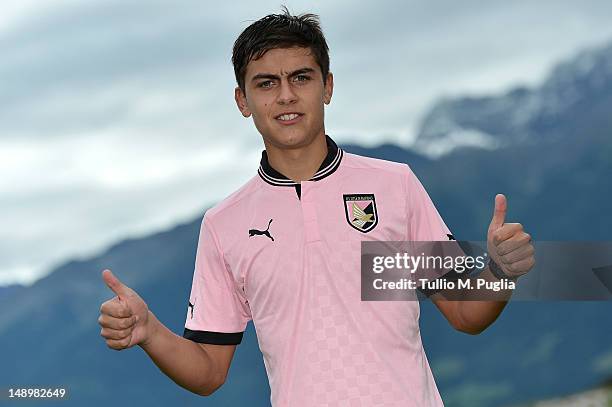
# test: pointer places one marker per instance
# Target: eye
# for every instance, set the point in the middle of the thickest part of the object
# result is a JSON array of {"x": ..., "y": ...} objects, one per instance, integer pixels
[
  {"x": 302, "y": 78},
  {"x": 264, "y": 84}
]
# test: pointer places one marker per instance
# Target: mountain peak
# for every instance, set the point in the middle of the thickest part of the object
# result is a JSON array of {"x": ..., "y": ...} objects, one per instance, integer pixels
[{"x": 522, "y": 115}]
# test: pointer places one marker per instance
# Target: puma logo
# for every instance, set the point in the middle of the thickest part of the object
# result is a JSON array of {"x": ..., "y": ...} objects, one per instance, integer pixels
[
  {"x": 450, "y": 237},
  {"x": 253, "y": 232},
  {"x": 191, "y": 307}
]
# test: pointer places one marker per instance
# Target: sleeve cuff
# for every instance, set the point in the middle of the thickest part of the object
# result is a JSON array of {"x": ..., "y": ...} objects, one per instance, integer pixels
[{"x": 214, "y": 338}]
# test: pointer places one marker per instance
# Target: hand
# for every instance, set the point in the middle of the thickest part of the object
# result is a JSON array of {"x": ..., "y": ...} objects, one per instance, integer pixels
[
  {"x": 508, "y": 245},
  {"x": 124, "y": 318}
]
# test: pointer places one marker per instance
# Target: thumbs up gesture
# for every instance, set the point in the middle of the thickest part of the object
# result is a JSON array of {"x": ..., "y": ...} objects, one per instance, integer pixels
[
  {"x": 123, "y": 318},
  {"x": 507, "y": 243}
]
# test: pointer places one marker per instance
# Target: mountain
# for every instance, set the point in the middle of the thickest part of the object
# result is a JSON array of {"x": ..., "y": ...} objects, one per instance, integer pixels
[
  {"x": 556, "y": 189},
  {"x": 49, "y": 334},
  {"x": 551, "y": 156},
  {"x": 577, "y": 93},
  {"x": 8, "y": 290}
]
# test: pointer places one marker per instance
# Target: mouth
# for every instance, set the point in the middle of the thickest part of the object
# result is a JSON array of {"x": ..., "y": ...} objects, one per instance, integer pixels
[{"x": 290, "y": 118}]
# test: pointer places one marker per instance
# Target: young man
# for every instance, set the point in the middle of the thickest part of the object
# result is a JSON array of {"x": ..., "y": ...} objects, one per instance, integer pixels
[{"x": 284, "y": 252}]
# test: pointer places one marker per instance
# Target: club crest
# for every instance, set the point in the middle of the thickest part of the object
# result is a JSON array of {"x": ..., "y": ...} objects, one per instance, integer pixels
[{"x": 360, "y": 210}]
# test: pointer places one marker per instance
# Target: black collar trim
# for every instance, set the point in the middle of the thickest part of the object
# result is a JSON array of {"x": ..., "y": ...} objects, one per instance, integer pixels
[{"x": 328, "y": 166}]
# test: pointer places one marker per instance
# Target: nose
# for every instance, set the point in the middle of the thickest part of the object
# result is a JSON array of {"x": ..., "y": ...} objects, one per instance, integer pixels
[{"x": 286, "y": 93}]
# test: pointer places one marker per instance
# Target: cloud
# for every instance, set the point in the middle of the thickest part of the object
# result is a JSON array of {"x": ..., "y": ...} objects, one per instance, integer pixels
[{"x": 107, "y": 106}]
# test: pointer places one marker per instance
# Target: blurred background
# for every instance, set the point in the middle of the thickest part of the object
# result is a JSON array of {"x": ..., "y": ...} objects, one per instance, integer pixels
[{"x": 118, "y": 129}]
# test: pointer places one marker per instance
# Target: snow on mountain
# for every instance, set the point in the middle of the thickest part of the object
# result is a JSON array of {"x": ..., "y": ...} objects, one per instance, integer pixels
[{"x": 522, "y": 115}]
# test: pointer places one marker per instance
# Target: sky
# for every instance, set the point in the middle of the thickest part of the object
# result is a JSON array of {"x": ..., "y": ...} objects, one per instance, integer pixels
[{"x": 117, "y": 119}]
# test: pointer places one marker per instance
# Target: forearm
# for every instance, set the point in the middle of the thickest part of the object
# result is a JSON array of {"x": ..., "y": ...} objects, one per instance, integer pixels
[
  {"x": 183, "y": 360},
  {"x": 479, "y": 308}
]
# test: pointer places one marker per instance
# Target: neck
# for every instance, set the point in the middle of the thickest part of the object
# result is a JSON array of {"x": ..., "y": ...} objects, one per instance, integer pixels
[{"x": 298, "y": 164}]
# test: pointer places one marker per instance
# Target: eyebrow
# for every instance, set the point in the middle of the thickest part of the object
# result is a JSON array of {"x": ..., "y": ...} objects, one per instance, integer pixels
[{"x": 272, "y": 76}]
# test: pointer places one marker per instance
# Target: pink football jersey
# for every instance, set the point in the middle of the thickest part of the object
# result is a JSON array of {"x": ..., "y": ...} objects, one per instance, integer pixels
[{"x": 286, "y": 255}]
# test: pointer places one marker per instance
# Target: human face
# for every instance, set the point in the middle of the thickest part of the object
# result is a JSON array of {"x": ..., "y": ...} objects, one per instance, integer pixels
[{"x": 282, "y": 81}]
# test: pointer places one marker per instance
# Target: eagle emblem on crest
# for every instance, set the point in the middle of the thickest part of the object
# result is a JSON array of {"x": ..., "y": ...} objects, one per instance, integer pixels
[{"x": 360, "y": 210}]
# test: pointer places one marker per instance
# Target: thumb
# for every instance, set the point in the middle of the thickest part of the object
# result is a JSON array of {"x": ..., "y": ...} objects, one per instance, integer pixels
[
  {"x": 120, "y": 289},
  {"x": 499, "y": 213}
]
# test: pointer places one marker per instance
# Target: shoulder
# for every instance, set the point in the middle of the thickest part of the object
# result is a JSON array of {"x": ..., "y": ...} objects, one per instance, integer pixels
[
  {"x": 377, "y": 165},
  {"x": 237, "y": 201}
]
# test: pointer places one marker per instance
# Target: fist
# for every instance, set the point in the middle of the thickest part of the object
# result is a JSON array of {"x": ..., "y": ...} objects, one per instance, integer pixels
[
  {"x": 123, "y": 318},
  {"x": 508, "y": 244}
]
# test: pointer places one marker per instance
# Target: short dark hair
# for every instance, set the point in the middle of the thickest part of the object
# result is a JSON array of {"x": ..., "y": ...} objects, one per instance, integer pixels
[{"x": 279, "y": 31}]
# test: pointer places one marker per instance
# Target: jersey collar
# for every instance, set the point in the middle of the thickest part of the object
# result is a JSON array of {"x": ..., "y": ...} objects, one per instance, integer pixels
[{"x": 328, "y": 166}]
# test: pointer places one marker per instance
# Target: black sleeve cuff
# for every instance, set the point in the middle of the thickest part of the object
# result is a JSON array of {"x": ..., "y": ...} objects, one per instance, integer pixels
[
  {"x": 498, "y": 272},
  {"x": 214, "y": 338},
  {"x": 450, "y": 276}
]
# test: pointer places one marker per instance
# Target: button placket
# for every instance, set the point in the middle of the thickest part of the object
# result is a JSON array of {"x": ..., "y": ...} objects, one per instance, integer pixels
[{"x": 309, "y": 212}]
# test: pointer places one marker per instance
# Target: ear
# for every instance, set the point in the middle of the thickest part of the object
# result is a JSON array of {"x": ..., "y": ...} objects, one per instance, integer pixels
[
  {"x": 329, "y": 88},
  {"x": 241, "y": 102}
]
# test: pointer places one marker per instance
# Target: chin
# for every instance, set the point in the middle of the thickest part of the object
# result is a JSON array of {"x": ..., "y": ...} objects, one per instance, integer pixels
[{"x": 289, "y": 139}]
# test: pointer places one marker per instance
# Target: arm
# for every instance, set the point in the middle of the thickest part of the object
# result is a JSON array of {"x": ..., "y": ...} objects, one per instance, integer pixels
[
  {"x": 215, "y": 304},
  {"x": 509, "y": 247},
  {"x": 126, "y": 321},
  {"x": 198, "y": 367},
  {"x": 472, "y": 316}
]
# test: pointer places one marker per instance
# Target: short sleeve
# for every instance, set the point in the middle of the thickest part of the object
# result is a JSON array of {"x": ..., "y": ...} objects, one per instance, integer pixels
[
  {"x": 424, "y": 221},
  {"x": 217, "y": 312}
]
